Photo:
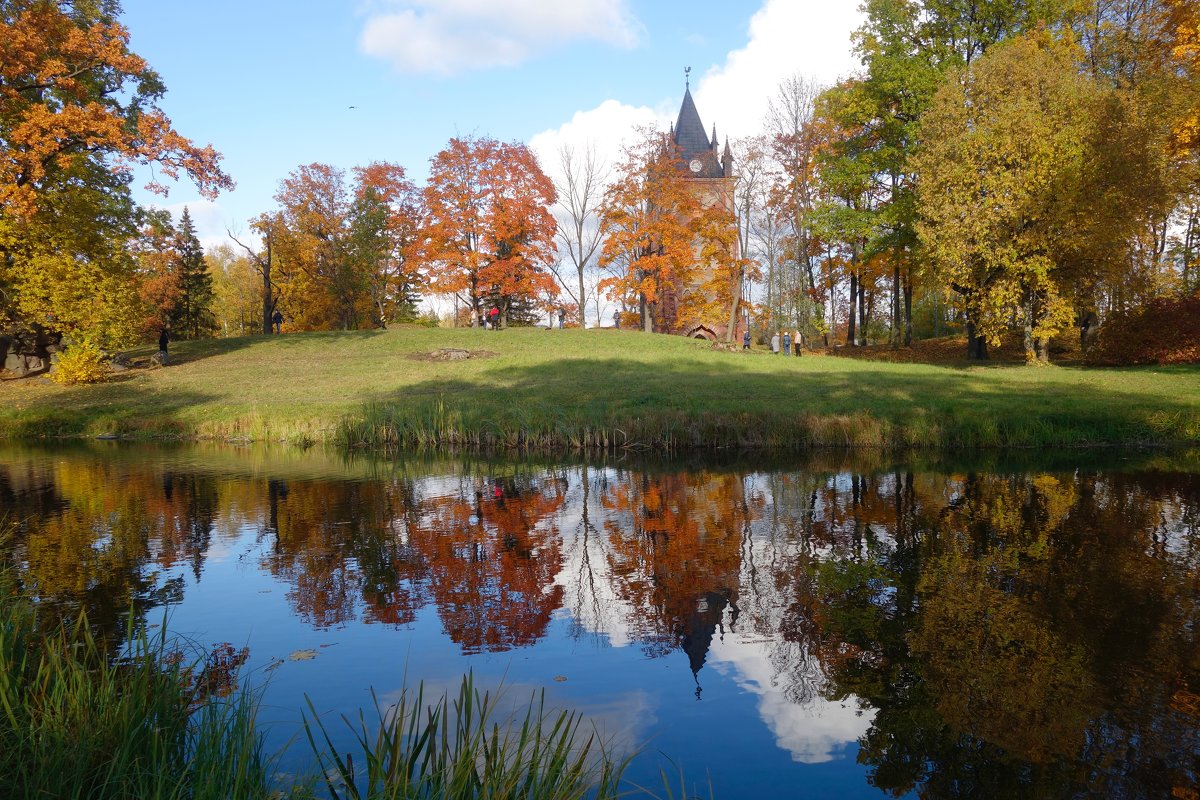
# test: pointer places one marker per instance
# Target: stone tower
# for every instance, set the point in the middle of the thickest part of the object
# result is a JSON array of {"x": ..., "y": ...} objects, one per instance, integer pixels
[{"x": 710, "y": 176}]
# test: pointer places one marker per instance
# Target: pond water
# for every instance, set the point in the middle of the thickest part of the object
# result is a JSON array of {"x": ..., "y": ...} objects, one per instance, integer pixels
[{"x": 840, "y": 627}]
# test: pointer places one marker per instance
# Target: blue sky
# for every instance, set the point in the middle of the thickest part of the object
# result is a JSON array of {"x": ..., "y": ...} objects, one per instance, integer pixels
[{"x": 271, "y": 84}]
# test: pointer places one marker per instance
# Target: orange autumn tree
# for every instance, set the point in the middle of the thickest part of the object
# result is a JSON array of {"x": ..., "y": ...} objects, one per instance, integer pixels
[
  {"x": 647, "y": 244},
  {"x": 489, "y": 235},
  {"x": 341, "y": 253},
  {"x": 673, "y": 257},
  {"x": 160, "y": 286},
  {"x": 384, "y": 233},
  {"x": 717, "y": 291},
  {"x": 78, "y": 112}
]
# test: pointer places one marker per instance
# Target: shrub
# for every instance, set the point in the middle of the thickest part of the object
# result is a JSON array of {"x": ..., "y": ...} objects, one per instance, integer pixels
[
  {"x": 82, "y": 362},
  {"x": 1164, "y": 331}
]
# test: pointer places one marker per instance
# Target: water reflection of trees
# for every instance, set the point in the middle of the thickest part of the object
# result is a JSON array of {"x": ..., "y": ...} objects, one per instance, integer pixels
[
  {"x": 493, "y": 551},
  {"x": 1048, "y": 645},
  {"x": 484, "y": 551},
  {"x": 1012, "y": 634}
]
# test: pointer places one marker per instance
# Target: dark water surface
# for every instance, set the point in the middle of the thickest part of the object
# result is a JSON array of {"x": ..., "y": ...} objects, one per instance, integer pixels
[{"x": 845, "y": 627}]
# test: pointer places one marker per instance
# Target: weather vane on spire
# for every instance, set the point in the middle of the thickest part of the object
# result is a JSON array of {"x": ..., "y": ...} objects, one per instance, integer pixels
[{"x": 687, "y": 79}]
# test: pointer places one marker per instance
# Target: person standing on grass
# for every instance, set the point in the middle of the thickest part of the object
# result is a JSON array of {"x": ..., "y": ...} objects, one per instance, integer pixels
[
  {"x": 746, "y": 340},
  {"x": 494, "y": 318},
  {"x": 798, "y": 343},
  {"x": 163, "y": 339},
  {"x": 775, "y": 342},
  {"x": 787, "y": 343},
  {"x": 277, "y": 318}
]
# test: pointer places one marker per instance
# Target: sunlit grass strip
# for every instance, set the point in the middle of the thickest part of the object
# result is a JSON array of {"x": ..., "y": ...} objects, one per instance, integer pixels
[
  {"x": 75, "y": 723},
  {"x": 463, "y": 748},
  {"x": 441, "y": 423},
  {"x": 606, "y": 390}
]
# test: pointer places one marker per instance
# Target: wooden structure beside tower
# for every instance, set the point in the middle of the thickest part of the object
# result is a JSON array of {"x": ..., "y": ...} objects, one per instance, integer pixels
[{"x": 710, "y": 178}]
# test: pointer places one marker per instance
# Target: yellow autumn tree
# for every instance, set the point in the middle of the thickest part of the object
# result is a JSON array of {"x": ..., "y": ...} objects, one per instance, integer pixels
[
  {"x": 1183, "y": 33},
  {"x": 78, "y": 112},
  {"x": 1034, "y": 179}
]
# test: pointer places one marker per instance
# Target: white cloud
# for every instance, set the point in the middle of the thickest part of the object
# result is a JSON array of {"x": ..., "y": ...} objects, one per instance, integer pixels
[
  {"x": 451, "y": 36},
  {"x": 208, "y": 217},
  {"x": 786, "y": 37},
  {"x": 605, "y": 129},
  {"x": 814, "y": 732},
  {"x": 809, "y": 37}
]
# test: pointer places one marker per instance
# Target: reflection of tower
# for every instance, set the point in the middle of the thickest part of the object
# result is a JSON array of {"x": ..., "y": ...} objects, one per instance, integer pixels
[
  {"x": 709, "y": 176},
  {"x": 276, "y": 490},
  {"x": 699, "y": 628}
]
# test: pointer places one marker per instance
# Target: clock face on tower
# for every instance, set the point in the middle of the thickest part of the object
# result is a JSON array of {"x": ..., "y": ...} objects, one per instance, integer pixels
[{"x": 695, "y": 166}]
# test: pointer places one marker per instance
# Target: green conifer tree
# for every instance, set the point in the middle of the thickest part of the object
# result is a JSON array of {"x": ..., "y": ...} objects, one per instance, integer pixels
[{"x": 193, "y": 317}]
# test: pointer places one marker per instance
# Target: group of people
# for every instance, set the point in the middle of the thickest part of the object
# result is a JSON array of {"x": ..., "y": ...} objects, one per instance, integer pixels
[
  {"x": 784, "y": 342},
  {"x": 787, "y": 342}
]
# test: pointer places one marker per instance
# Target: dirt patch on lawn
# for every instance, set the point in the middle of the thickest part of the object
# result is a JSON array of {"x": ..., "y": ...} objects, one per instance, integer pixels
[{"x": 450, "y": 354}]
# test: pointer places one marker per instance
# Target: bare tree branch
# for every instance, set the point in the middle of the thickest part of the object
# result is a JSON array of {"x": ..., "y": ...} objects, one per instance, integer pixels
[{"x": 580, "y": 187}]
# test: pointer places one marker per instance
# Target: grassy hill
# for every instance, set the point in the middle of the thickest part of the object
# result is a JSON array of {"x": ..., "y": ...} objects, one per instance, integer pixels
[{"x": 613, "y": 389}]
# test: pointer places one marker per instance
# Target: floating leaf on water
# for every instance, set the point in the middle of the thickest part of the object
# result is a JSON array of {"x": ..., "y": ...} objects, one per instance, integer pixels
[{"x": 303, "y": 655}]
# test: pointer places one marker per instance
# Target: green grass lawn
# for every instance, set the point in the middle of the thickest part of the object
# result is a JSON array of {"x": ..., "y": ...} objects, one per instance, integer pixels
[{"x": 599, "y": 388}]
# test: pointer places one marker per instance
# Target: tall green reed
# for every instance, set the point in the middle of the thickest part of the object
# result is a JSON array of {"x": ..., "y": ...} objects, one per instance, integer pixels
[
  {"x": 76, "y": 722},
  {"x": 462, "y": 748}
]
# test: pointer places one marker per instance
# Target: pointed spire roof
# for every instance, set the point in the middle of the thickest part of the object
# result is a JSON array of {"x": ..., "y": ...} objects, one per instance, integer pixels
[{"x": 689, "y": 130}]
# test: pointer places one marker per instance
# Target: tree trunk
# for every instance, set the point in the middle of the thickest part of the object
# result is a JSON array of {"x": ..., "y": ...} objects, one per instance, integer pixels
[
  {"x": 895, "y": 334},
  {"x": 976, "y": 345},
  {"x": 647, "y": 322},
  {"x": 908, "y": 293},
  {"x": 808, "y": 263},
  {"x": 1088, "y": 330},
  {"x": 382, "y": 314},
  {"x": 851, "y": 336},
  {"x": 733, "y": 307},
  {"x": 1030, "y": 354},
  {"x": 268, "y": 296},
  {"x": 1037, "y": 348},
  {"x": 1041, "y": 349},
  {"x": 583, "y": 303},
  {"x": 862, "y": 311}
]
